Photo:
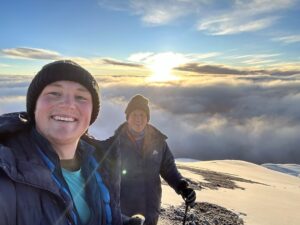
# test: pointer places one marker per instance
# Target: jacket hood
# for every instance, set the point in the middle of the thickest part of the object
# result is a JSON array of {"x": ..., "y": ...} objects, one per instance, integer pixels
[{"x": 13, "y": 122}]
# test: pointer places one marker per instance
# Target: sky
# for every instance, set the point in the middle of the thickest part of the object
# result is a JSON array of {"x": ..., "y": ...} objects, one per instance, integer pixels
[{"x": 222, "y": 77}]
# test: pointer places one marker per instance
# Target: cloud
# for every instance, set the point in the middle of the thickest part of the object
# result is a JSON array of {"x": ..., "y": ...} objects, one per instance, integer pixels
[
  {"x": 220, "y": 69},
  {"x": 149, "y": 58},
  {"x": 4, "y": 65},
  {"x": 163, "y": 12},
  {"x": 156, "y": 12},
  {"x": 244, "y": 16},
  {"x": 256, "y": 59},
  {"x": 209, "y": 69},
  {"x": 12, "y": 93},
  {"x": 118, "y": 63},
  {"x": 247, "y": 117},
  {"x": 30, "y": 53},
  {"x": 255, "y": 120},
  {"x": 288, "y": 39},
  {"x": 230, "y": 25},
  {"x": 215, "y": 18}
]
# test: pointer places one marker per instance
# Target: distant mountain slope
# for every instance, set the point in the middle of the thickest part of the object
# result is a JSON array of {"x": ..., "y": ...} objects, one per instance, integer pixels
[{"x": 292, "y": 169}]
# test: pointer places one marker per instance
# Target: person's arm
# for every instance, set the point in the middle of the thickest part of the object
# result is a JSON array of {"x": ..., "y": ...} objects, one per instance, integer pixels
[
  {"x": 168, "y": 169},
  {"x": 172, "y": 176}
]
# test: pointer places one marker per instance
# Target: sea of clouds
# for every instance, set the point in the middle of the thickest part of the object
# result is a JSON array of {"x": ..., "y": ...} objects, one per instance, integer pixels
[{"x": 254, "y": 118}]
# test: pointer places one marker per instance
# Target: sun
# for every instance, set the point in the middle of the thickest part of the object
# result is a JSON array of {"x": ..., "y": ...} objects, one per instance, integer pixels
[
  {"x": 161, "y": 72},
  {"x": 161, "y": 66}
]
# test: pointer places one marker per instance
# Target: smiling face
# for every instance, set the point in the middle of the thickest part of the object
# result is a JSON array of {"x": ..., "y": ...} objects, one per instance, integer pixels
[
  {"x": 137, "y": 120},
  {"x": 63, "y": 112}
]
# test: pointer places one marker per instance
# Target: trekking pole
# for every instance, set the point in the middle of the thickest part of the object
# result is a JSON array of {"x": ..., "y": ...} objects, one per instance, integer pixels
[{"x": 185, "y": 213}]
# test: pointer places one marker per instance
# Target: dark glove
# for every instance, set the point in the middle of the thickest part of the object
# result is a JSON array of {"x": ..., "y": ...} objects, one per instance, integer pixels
[
  {"x": 187, "y": 193},
  {"x": 135, "y": 220}
]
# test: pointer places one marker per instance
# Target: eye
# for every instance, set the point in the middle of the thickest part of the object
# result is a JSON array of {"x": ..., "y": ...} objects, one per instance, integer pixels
[
  {"x": 81, "y": 98},
  {"x": 54, "y": 93}
]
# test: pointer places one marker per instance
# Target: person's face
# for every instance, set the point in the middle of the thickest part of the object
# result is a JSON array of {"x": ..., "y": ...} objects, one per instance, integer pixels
[
  {"x": 63, "y": 112},
  {"x": 137, "y": 120}
]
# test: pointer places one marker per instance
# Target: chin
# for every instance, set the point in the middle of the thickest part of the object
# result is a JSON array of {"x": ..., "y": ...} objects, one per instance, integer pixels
[{"x": 139, "y": 130}]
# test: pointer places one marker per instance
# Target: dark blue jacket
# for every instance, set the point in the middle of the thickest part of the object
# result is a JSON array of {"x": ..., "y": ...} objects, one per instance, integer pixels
[
  {"x": 28, "y": 193},
  {"x": 141, "y": 171}
]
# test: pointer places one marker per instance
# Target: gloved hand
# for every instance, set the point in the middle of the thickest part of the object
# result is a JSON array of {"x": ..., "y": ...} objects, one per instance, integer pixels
[
  {"x": 136, "y": 220},
  {"x": 187, "y": 193}
]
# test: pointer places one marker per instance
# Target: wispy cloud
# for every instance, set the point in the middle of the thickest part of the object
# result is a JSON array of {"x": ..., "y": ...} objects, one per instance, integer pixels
[
  {"x": 288, "y": 39},
  {"x": 156, "y": 12},
  {"x": 150, "y": 58},
  {"x": 245, "y": 16},
  {"x": 119, "y": 63},
  {"x": 179, "y": 58},
  {"x": 259, "y": 56},
  {"x": 227, "y": 18},
  {"x": 30, "y": 53},
  {"x": 4, "y": 65},
  {"x": 231, "y": 25},
  {"x": 159, "y": 12},
  {"x": 256, "y": 59}
]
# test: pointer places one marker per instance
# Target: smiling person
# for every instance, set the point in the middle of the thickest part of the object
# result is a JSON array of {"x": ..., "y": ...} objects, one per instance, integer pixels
[
  {"x": 145, "y": 156},
  {"x": 51, "y": 171}
]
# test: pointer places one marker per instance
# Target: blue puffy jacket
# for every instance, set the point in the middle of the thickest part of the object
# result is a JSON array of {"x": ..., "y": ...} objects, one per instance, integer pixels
[
  {"x": 28, "y": 193},
  {"x": 141, "y": 171}
]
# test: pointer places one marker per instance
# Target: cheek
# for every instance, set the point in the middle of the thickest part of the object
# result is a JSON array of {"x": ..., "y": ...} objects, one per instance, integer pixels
[
  {"x": 86, "y": 110},
  {"x": 40, "y": 108}
]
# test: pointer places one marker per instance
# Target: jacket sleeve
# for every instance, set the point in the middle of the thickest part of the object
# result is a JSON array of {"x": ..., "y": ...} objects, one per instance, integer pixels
[
  {"x": 7, "y": 200},
  {"x": 168, "y": 170}
]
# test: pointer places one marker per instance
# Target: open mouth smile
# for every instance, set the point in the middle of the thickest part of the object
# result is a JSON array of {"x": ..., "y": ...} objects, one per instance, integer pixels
[{"x": 64, "y": 118}]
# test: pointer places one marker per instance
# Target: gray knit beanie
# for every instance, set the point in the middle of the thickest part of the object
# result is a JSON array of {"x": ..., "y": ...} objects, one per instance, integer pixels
[
  {"x": 57, "y": 71},
  {"x": 138, "y": 102}
]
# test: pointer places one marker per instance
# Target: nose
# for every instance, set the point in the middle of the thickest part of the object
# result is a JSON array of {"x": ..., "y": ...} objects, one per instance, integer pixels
[
  {"x": 138, "y": 119},
  {"x": 68, "y": 101}
]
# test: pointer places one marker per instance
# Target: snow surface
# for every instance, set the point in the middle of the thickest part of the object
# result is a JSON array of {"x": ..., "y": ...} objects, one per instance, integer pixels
[
  {"x": 272, "y": 199},
  {"x": 186, "y": 160}
]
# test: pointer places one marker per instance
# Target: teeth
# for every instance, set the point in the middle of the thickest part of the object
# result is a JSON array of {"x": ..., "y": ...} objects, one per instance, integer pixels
[{"x": 67, "y": 119}]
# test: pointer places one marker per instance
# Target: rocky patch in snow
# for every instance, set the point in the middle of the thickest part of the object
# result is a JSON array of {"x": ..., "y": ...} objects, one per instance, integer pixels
[
  {"x": 214, "y": 180},
  {"x": 202, "y": 213}
]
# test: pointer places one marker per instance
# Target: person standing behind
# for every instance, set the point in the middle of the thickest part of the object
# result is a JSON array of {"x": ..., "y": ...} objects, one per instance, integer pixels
[
  {"x": 145, "y": 156},
  {"x": 50, "y": 172}
]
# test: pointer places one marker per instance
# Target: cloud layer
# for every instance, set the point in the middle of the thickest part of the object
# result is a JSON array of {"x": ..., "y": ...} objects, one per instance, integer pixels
[{"x": 254, "y": 118}]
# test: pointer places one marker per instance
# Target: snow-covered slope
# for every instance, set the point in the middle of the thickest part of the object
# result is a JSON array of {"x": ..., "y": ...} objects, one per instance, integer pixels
[{"x": 259, "y": 195}]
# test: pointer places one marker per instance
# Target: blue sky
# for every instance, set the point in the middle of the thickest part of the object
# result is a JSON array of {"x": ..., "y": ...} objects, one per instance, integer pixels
[{"x": 119, "y": 37}]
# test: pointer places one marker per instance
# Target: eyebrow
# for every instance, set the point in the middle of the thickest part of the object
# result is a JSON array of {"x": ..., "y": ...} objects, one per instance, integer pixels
[{"x": 60, "y": 86}]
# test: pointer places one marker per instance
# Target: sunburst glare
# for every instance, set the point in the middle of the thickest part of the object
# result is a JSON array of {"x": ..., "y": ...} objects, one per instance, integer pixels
[{"x": 162, "y": 64}]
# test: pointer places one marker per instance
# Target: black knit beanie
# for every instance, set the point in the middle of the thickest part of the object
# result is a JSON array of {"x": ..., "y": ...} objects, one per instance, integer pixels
[
  {"x": 138, "y": 102},
  {"x": 57, "y": 71}
]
